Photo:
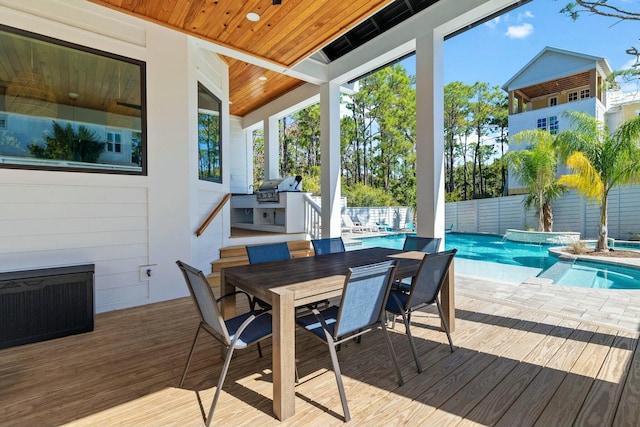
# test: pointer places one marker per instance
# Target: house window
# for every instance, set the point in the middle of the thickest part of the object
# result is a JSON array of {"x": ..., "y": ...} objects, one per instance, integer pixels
[
  {"x": 578, "y": 94},
  {"x": 75, "y": 121},
  {"x": 114, "y": 142},
  {"x": 209, "y": 136},
  {"x": 553, "y": 101},
  {"x": 542, "y": 123},
  {"x": 553, "y": 125}
]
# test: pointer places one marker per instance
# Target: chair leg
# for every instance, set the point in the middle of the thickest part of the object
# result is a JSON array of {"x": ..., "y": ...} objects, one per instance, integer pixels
[
  {"x": 405, "y": 318},
  {"x": 394, "y": 357},
  {"x": 444, "y": 323},
  {"x": 259, "y": 349},
  {"x": 193, "y": 346},
  {"x": 223, "y": 374},
  {"x": 336, "y": 371}
]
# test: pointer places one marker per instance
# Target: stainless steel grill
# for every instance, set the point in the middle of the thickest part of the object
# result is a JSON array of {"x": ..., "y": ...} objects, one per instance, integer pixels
[{"x": 270, "y": 188}]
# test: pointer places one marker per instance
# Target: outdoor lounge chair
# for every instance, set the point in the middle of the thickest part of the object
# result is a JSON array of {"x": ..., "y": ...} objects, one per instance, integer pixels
[
  {"x": 409, "y": 226},
  {"x": 351, "y": 227},
  {"x": 361, "y": 310},
  {"x": 425, "y": 287},
  {"x": 328, "y": 245},
  {"x": 235, "y": 333}
]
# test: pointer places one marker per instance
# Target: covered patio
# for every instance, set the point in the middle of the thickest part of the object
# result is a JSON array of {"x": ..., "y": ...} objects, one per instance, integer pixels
[{"x": 517, "y": 362}]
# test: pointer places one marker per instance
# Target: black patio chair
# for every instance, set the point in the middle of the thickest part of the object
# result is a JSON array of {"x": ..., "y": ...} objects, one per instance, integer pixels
[
  {"x": 425, "y": 287},
  {"x": 235, "y": 333},
  {"x": 361, "y": 310},
  {"x": 328, "y": 245}
]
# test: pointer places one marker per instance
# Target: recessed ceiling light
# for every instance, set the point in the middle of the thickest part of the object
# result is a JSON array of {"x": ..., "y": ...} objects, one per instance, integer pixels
[
  {"x": 262, "y": 78},
  {"x": 252, "y": 16}
]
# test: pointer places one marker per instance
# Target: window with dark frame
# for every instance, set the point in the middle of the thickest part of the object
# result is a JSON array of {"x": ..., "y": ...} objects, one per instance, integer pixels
[
  {"x": 542, "y": 123},
  {"x": 88, "y": 120},
  {"x": 553, "y": 125},
  {"x": 209, "y": 136}
]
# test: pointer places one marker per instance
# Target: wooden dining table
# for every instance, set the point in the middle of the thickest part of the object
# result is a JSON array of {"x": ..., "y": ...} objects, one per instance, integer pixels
[{"x": 296, "y": 282}]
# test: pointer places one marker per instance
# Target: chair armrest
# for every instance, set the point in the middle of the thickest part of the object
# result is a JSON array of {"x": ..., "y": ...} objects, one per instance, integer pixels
[{"x": 234, "y": 293}]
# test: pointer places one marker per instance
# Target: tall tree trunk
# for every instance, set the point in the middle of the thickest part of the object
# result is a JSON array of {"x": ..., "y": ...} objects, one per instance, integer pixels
[
  {"x": 465, "y": 169},
  {"x": 474, "y": 189},
  {"x": 603, "y": 245},
  {"x": 548, "y": 216}
]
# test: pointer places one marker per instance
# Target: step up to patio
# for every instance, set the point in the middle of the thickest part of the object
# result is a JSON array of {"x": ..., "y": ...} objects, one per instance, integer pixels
[{"x": 232, "y": 256}]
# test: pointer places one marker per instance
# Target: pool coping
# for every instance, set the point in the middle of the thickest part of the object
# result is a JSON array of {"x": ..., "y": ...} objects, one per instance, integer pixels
[{"x": 562, "y": 255}]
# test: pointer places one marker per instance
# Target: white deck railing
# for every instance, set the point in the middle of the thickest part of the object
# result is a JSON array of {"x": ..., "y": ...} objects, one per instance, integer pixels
[{"x": 312, "y": 217}]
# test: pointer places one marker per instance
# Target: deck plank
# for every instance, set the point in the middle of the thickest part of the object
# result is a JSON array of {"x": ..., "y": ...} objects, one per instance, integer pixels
[{"x": 512, "y": 365}]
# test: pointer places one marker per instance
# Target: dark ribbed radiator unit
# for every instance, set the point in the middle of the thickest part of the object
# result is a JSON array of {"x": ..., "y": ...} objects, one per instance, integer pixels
[{"x": 42, "y": 304}]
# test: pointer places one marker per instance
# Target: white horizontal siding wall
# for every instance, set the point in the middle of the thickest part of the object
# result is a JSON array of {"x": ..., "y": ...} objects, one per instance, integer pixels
[
  {"x": 122, "y": 223},
  {"x": 48, "y": 225}
]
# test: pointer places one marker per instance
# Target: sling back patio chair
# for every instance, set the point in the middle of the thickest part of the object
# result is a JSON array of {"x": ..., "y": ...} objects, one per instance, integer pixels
[
  {"x": 361, "y": 310},
  {"x": 266, "y": 253},
  {"x": 421, "y": 244},
  {"x": 235, "y": 333},
  {"x": 328, "y": 245},
  {"x": 425, "y": 287}
]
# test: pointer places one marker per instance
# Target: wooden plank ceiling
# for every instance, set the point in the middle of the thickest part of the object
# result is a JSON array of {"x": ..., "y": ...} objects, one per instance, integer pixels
[
  {"x": 557, "y": 86},
  {"x": 285, "y": 35}
]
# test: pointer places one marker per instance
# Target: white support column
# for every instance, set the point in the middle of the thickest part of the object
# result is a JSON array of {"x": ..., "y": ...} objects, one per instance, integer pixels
[
  {"x": 330, "y": 158},
  {"x": 271, "y": 149},
  {"x": 430, "y": 135}
]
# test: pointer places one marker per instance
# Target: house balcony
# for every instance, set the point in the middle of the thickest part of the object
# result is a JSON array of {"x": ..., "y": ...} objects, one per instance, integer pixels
[{"x": 528, "y": 119}]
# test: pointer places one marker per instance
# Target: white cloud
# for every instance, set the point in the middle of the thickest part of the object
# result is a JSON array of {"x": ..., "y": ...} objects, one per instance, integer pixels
[
  {"x": 627, "y": 65},
  {"x": 525, "y": 15},
  {"x": 519, "y": 31},
  {"x": 493, "y": 23}
]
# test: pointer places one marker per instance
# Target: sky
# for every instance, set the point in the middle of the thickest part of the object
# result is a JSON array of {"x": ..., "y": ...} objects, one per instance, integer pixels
[{"x": 495, "y": 51}]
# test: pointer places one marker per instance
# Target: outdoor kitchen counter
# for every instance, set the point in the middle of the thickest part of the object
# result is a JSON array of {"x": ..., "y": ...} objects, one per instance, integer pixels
[{"x": 284, "y": 216}]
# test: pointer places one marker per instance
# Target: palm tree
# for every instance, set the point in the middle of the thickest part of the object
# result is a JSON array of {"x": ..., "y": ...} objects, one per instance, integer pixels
[
  {"x": 536, "y": 168},
  {"x": 599, "y": 160}
]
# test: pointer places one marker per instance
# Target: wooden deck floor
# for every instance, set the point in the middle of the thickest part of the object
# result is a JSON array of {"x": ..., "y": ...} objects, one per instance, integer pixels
[{"x": 512, "y": 367}]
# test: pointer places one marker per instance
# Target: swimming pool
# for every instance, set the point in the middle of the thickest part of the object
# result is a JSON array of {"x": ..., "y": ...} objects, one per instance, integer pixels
[{"x": 491, "y": 256}]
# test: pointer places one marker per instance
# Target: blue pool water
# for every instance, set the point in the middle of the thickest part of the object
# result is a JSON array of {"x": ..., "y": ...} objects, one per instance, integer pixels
[{"x": 513, "y": 261}]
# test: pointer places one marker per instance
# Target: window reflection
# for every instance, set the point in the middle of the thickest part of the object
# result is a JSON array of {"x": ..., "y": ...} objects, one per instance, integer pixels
[
  {"x": 209, "y": 136},
  {"x": 68, "y": 107}
]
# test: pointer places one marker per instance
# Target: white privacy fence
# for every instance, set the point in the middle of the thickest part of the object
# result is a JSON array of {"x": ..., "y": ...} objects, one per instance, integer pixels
[
  {"x": 570, "y": 213},
  {"x": 393, "y": 216}
]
